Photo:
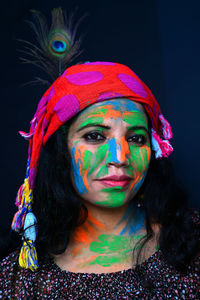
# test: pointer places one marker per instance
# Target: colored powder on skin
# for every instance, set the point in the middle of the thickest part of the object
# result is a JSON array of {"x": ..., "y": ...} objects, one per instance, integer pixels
[
  {"x": 139, "y": 157},
  {"x": 108, "y": 158},
  {"x": 136, "y": 158},
  {"x": 102, "y": 111},
  {"x": 89, "y": 230},
  {"x": 76, "y": 173},
  {"x": 123, "y": 147},
  {"x": 114, "y": 249},
  {"x": 133, "y": 219},
  {"x": 87, "y": 157},
  {"x": 122, "y": 106},
  {"x": 138, "y": 118},
  {"x": 115, "y": 197},
  {"x": 113, "y": 150},
  {"x": 92, "y": 120},
  {"x": 139, "y": 182},
  {"x": 82, "y": 168},
  {"x": 102, "y": 172},
  {"x": 99, "y": 157}
]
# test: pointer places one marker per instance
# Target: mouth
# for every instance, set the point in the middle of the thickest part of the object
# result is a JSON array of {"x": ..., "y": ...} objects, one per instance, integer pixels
[{"x": 115, "y": 180}]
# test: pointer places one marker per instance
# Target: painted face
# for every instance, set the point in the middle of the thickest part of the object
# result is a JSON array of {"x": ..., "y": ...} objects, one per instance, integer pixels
[{"x": 110, "y": 147}]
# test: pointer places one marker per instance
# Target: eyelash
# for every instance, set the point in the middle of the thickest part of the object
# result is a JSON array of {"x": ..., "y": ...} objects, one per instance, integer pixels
[{"x": 95, "y": 137}]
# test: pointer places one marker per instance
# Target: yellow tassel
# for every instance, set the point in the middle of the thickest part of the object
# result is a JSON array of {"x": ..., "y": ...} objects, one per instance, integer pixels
[
  {"x": 27, "y": 193},
  {"x": 28, "y": 256}
]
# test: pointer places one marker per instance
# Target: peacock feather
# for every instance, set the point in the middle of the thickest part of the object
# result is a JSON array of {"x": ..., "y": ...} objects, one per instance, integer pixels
[{"x": 57, "y": 47}]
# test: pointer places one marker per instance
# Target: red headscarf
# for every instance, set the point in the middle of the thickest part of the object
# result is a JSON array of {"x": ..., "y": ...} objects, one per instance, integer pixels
[{"x": 80, "y": 86}]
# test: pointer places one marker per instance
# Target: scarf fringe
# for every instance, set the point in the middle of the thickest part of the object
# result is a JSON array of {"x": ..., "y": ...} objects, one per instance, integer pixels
[
  {"x": 162, "y": 148},
  {"x": 28, "y": 256},
  {"x": 166, "y": 128}
]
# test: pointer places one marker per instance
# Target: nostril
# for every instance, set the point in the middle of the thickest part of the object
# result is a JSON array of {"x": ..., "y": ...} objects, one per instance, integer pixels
[{"x": 118, "y": 164}]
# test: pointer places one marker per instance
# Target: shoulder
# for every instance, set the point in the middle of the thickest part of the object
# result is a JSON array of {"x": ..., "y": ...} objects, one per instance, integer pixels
[
  {"x": 165, "y": 281},
  {"x": 9, "y": 272},
  {"x": 14, "y": 280},
  {"x": 8, "y": 264},
  {"x": 18, "y": 281}
]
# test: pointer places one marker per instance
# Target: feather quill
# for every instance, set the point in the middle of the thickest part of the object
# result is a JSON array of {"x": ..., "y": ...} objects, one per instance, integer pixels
[{"x": 57, "y": 47}]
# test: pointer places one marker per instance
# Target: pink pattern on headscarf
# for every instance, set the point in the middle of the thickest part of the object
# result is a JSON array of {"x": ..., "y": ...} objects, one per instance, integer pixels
[
  {"x": 133, "y": 84},
  {"x": 66, "y": 107},
  {"x": 84, "y": 78}
]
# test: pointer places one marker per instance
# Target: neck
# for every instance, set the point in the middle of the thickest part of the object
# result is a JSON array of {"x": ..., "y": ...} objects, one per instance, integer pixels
[
  {"x": 124, "y": 220},
  {"x": 105, "y": 241}
]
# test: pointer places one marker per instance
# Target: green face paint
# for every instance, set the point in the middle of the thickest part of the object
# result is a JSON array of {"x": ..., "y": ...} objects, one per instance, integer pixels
[
  {"x": 111, "y": 194},
  {"x": 104, "y": 141},
  {"x": 92, "y": 121},
  {"x": 113, "y": 249},
  {"x": 98, "y": 158}
]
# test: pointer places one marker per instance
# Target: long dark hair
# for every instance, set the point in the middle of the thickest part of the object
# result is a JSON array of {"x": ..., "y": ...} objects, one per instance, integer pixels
[{"x": 58, "y": 209}]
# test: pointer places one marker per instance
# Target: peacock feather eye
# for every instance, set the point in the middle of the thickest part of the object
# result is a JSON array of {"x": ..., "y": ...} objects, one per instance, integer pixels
[
  {"x": 59, "y": 46},
  {"x": 60, "y": 42}
]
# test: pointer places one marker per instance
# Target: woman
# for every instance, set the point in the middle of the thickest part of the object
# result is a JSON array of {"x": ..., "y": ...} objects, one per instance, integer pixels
[
  {"x": 111, "y": 221},
  {"x": 100, "y": 212}
]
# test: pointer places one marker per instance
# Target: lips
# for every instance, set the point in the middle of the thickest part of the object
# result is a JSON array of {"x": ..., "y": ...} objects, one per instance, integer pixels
[{"x": 115, "y": 180}]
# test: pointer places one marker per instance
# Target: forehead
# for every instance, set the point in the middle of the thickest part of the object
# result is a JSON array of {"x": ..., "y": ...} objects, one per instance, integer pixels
[
  {"x": 117, "y": 106},
  {"x": 112, "y": 110}
]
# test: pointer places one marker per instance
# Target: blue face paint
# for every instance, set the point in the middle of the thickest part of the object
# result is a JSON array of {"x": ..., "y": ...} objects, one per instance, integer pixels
[
  {"x": 112, "y": 151},
  {"x": 134, "y": 218},
  {"x": 122, "y": 106},
  {"x": 76, "y": 173},
  {"x": 140, "y": 182}
]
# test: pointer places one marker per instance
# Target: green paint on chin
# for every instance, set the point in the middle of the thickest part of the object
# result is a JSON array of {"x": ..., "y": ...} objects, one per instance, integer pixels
[
  {"x": 114, "y": 249},
  {"x": 115, "y": 197}
]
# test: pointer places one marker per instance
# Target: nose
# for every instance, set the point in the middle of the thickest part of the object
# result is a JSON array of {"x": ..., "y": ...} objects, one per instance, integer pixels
[{"x": 118, "y": 152}]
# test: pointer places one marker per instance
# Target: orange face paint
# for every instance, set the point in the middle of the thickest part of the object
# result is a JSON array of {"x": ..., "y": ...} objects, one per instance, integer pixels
[{"x": 105, "y": 141}]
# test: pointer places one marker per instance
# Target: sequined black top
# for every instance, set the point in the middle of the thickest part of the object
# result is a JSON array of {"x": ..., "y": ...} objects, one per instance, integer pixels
[{"x": 153, "y": 279}]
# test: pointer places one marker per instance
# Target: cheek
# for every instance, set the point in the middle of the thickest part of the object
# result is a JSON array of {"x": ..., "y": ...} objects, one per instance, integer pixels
[
  {"x": 140, "y": 163},
  {"x": 81, "y": 159},
  {"x": 84, "y": 163},
  {"x": 140, "y": 158},
  {"x": 99, "y": 157}
]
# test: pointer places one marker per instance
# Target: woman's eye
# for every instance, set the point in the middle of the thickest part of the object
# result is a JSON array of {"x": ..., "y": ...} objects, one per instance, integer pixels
[
  {"x": 94, "y": 136},
  {"x": 137, "y": 139}
]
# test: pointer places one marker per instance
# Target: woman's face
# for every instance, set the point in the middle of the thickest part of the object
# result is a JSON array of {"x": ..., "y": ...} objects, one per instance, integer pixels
[{"x": 110, "y": 148}]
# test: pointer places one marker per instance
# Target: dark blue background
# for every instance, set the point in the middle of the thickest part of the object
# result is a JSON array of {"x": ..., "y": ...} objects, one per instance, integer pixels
[{"x": 160, "y": 40}]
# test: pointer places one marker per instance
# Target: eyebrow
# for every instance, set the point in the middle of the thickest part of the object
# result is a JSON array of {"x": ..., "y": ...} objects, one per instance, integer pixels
[
  {"x": 108, "y": 127},
  {"x": 94, "y": 125},
  {"x": 138, "y": 128}
]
